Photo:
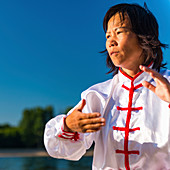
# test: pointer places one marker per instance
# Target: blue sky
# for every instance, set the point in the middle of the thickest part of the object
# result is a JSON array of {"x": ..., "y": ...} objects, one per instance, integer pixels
[{"x": 49, "y": 51}]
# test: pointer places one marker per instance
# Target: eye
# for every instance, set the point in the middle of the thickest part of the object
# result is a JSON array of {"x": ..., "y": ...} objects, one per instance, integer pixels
[{"x": 119, "y": 32}]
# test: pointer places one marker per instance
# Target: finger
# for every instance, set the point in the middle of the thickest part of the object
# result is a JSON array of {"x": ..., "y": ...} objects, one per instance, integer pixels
[
  {"x": 154, "y": 74},
  {"x": 81, "y": 106},
  {"x": 92, "y": 127},
  {"x": 89, "y": 115},
  {"x": 149, "y": 86},
  {"x": 94, "y": 130},
  {"x": 92, "y": 121}
]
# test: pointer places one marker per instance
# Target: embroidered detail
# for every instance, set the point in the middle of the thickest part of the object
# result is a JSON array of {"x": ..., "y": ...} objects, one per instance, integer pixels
[
  {"x": 74, "y": 136},
  {"x": 69, "y": 135},
  {"x": 125, "y": 87},
  {"x": 124, "y": 129},
  {"x": 129, "y": 109},
  {"x": 127, "y": 153},
  {"x": 136, "y": 87},
  {"x": 133, "y": 78}
]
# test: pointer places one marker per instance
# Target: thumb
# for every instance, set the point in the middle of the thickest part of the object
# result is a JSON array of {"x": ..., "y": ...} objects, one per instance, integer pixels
[
  {"x": 149, "y": 86},
  {"x": 81, "y": 106}
]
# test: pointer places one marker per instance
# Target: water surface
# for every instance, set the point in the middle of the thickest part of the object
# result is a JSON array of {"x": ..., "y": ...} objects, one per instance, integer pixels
[{"x": 44, "y": 163}]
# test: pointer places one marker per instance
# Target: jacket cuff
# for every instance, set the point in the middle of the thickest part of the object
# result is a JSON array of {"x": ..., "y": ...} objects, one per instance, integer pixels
[{"x": 68, "y": 135}]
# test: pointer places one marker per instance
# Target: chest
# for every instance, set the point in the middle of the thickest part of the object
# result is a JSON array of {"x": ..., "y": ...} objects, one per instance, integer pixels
[{"x": 137, "y": 116}]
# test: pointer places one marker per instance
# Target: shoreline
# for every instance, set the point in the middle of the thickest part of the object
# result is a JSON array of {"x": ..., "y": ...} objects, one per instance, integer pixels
[{"x": 6, "y": 153}]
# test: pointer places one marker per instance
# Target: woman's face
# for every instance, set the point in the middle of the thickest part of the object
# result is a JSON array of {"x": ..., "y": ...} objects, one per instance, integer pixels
[{"x": 122, "y": 44}]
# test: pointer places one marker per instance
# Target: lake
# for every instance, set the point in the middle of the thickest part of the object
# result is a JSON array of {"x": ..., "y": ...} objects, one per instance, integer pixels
[{"x": 44, "y": 163}]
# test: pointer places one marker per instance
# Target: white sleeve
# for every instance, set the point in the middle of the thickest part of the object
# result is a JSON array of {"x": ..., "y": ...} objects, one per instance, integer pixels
[{"x": 66, "y": 147}]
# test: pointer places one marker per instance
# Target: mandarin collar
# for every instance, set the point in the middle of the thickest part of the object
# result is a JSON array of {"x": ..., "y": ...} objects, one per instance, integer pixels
[{"x": 138, "y": 78}]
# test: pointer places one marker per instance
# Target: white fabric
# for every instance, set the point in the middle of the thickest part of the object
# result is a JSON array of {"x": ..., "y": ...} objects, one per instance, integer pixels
[{"x": 152, "y": 140}]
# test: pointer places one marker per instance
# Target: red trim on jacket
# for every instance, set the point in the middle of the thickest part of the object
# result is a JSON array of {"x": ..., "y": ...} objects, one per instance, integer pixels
[
  {"x": 136, "y": 87},
  {"x": 69, "y": 135},
  {"x": 127, "y": 153},
  {"x": 133, "y": 78},
  {"x": 126, "y": 108},
  {"x": 129, "y": 109},
  {"x": 124, "y": 129},
  {"x": 129, "y": 77}
]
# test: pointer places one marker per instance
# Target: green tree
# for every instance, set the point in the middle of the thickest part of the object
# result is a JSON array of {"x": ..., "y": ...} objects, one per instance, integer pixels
[
  {"x": 10, "y": 137},
  {"x": 32, "y": 125}
]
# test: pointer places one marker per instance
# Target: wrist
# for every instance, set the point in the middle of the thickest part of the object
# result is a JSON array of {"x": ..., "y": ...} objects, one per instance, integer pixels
[{"x": 65, "y": 127}]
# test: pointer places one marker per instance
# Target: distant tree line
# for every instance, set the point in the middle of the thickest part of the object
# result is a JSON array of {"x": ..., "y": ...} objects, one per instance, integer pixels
[{"x": 29, "y": 133}]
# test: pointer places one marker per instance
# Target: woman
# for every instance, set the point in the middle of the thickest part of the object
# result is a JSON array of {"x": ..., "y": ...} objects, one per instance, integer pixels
[{"x": 128, "y": 116}]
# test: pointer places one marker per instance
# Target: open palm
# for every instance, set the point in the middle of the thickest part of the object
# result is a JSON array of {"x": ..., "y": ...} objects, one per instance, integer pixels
[{"x": 162, "y": 88}]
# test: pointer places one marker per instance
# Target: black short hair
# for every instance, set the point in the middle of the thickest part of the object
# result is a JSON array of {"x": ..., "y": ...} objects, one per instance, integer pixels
[{"x": 146, "y": 28}]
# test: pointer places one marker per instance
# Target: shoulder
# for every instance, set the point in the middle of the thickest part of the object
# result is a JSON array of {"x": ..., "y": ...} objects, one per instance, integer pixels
[{"x": 102, "y": 88}]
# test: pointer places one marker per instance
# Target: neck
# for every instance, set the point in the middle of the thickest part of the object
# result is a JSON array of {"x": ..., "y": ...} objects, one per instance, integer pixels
[
  {"x": 133, "y": 68},
  {"x": 131, "y": 73}
]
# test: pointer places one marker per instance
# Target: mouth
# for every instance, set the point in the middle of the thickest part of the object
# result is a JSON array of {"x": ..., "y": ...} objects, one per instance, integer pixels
[{"x": 114, "y": 53}]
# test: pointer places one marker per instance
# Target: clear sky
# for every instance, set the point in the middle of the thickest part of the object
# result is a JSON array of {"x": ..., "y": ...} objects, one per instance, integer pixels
[{"x": 49, "y": 51}]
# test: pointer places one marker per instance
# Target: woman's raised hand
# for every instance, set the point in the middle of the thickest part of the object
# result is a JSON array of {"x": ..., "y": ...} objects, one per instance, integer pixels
[
  {"x": 78, "y": 121},
  {"x": 162, "y": 88}
]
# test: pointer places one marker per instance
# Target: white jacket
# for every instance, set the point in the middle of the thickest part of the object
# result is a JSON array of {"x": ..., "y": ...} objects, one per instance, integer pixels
[{"x": 137, "y": 131}]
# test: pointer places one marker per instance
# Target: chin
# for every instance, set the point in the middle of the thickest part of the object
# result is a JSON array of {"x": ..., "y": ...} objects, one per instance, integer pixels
[{"x": 117, "y": 64}]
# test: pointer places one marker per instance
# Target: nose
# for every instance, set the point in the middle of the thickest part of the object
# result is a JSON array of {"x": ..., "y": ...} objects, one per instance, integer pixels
[{"x": 112, "y": 42}]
